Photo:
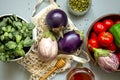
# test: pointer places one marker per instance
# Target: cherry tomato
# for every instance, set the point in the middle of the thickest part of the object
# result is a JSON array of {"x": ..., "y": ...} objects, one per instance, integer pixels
[
  {"x": 93, "y": 35},
  {"x": 105, "y": 38},
  {"x": 112, "y": 47},
  {"x": 99, "y": 27},
  {"x": 92, "y": 43},
  {"x": 108, "y": 23}
]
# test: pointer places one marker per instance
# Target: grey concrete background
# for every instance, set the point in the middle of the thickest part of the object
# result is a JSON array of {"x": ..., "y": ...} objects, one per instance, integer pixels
[{"x": 23, "y": 8}]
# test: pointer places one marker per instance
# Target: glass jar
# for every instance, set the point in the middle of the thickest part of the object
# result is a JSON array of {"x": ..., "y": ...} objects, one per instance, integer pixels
[
  {"x": 78, "y": 7},
  {"x": 80, "y": 73}
]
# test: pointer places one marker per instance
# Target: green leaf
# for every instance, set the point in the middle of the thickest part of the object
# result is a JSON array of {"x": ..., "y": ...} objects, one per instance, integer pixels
[
  {"x": 3, "y": 28},
  {"x": 28, "y": 42},
  {"x": 20, "y": 45},
  {"x": 2, "y": 48},
  {"x": 11, "y": 45},
  {"x": 10, "y": 36},
  {"x": 8, "y": 28},
  {"x": 18, "y": 38},
  {"x": 13, "y": 30},
  {"x": 2, "y": 37},
  {"x": 15, "y": 17},
  {"x": 2, "y": 24},
  {"x": 20, "y": 52},
  {"x": 31, "y": 26}
]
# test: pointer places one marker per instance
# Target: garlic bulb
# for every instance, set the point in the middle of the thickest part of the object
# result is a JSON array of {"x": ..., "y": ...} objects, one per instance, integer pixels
[{"x": 47, "y": 47}]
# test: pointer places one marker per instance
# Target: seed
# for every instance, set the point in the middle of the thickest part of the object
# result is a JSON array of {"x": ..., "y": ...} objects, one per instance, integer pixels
[{"x": 79, "y": 5}]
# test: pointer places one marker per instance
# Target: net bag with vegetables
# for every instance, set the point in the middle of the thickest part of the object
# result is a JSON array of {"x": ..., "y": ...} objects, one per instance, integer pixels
[{"x": 49, "y": 43}]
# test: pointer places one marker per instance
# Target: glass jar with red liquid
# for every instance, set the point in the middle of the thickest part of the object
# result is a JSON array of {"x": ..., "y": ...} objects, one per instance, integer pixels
[{"x": 80, "y": 73}]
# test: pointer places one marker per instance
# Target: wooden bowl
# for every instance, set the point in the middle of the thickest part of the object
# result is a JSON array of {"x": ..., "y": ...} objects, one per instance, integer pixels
[{"x": 114, "y": 17}]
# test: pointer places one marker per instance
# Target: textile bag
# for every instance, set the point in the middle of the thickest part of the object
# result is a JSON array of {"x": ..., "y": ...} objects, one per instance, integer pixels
[{"x": 36, "y": 66}]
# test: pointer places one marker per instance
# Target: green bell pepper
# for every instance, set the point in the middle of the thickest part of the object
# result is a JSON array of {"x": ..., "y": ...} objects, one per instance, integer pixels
[{"x": 115, "y": 30}]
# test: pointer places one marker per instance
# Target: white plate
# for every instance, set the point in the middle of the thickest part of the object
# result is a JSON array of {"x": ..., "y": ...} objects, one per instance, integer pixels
[{"x": 14, "y": 71}]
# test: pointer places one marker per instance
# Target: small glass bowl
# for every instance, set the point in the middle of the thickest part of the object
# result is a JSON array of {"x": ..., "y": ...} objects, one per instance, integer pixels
[
  {"x": 85, "y": 8},
  {"x": 80, "y": 73}
]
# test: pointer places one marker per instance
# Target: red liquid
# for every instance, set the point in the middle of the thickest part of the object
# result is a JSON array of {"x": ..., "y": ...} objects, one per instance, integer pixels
[
  {"x": 78, "y": 73},
  {"x": 81, "y": 76}
]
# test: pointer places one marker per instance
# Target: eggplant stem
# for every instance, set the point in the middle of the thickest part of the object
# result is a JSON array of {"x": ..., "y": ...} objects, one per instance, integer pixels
[{"x": 61, "y": 34}]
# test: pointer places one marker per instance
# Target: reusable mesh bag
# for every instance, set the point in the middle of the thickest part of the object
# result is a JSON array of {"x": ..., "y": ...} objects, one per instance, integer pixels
[{"x": 36, "y": 66}]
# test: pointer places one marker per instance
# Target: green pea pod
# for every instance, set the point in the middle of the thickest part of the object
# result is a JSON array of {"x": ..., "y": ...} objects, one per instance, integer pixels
[{"x": 115, "y": 30}]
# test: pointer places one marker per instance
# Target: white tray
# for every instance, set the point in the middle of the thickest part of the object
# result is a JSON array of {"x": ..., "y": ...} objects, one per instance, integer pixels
[{"x": 14, "y": 71}]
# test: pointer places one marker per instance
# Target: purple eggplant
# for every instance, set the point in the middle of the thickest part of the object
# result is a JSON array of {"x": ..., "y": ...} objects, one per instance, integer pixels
[
  {"x": 57, "y": 20},
  {"x": 71, "y": 41},
  {"x": 106, "y": 59}
]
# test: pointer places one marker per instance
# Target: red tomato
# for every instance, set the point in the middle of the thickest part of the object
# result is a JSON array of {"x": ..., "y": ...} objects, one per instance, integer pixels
[
  {"x": 108, "y": 23},
  {"x": 93, "y": 35},
  {"x": 105, "y": 38},
  {"x": 112, "y": 47},
  {"x": 99, "y": 27},
  {"x": 92, "y": 43}
]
